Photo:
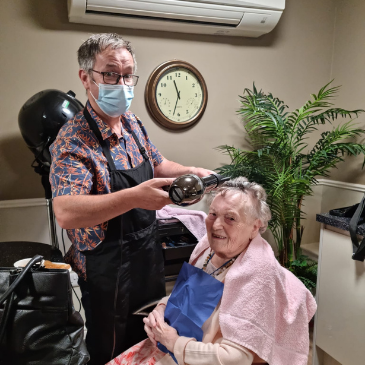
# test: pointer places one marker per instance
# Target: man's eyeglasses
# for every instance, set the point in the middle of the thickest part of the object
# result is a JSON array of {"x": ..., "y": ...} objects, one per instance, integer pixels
[{"x": 112, "y": 78}]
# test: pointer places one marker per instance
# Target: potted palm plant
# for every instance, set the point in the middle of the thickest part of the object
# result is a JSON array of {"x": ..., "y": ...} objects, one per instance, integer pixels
[{"x": 282, "y": 162}]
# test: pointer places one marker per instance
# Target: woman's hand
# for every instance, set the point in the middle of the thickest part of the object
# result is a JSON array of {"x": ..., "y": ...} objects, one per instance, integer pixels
[
  {"x": 164, "y": 333},
  {"x": 150, "y": 321}
]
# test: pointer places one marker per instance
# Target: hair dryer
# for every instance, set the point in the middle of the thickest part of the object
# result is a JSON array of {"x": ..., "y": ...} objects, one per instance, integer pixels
[{"x": 189, "y": 189}]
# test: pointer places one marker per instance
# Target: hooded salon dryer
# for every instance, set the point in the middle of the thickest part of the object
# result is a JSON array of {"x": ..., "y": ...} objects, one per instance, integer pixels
[{"x": 40, "y": 119}]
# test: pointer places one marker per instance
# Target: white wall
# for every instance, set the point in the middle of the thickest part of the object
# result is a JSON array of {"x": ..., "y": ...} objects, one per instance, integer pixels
[
  {"x": 27, "y": 220},
  {"x": 38, "y": 52}
]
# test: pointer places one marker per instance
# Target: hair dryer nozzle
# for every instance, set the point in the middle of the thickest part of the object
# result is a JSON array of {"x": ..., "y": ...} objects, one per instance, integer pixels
[{"x": 189, "y": 189}]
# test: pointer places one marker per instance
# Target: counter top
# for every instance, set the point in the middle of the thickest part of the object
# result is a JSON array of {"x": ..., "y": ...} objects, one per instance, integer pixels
[{"x": 339, "y": 222}]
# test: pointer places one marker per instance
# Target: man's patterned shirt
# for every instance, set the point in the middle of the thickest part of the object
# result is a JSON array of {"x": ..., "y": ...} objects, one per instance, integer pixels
[{"x": 79, "y": 167}]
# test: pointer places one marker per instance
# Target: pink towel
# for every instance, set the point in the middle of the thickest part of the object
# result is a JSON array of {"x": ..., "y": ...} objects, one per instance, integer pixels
[
  {"x": 193, "y": 220},
  {"x": 265, "y": 308}
]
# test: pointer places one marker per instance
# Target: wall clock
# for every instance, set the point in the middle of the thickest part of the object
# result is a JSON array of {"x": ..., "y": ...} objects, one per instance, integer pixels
[{"x": 176, "y": 94}]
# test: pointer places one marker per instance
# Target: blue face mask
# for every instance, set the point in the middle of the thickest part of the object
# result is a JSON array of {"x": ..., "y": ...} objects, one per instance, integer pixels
[{"x": 114, "y": 100}]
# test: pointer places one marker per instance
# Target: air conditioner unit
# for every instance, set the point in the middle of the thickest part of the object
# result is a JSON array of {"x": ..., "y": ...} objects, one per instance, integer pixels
[{"x": 250, "y": 18}]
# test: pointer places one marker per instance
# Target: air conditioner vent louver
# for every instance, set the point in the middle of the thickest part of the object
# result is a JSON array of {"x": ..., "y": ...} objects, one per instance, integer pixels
[{"x": 187, "y": 21}]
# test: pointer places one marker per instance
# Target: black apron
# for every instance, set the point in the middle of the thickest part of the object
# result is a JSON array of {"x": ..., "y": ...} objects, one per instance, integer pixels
[{"x": 126, "y": 270}]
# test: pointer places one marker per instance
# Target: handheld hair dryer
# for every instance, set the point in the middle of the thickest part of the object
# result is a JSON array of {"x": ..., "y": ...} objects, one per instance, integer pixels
[{"x": 189, "y": 189}]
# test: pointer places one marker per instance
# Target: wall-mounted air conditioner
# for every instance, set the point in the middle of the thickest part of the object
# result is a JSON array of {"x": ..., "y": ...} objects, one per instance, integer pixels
[{"x": 250, "y": 18}]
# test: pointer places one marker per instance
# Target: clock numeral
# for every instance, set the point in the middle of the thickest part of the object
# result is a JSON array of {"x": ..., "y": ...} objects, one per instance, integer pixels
[
  {"x": 187, "y": 112},
  {"x": 169, "y": 77},
  {"x": 177, "y": 74},
  {"x": 196, "y": 95},
  {"x": 186, "y": 77},
  {"x": 193, "y": 85},
  {"x": 178, "y": 114},
  {"x": 170, "y": 111},
  {"x": 163, "y": 84},
  {"x": 159, "y": 94}
]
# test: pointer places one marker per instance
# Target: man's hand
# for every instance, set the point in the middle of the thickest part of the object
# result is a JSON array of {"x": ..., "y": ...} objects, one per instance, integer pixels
[
  {"x": 199, "y": 171},
  {"x": 150, "y": 321},
  {"x": 150, "y": 195},
  {"x": 169, "y": 168}
]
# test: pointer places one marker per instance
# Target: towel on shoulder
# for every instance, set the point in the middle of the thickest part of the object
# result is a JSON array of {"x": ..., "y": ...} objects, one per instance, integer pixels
[{"x": 265, "y": 308}]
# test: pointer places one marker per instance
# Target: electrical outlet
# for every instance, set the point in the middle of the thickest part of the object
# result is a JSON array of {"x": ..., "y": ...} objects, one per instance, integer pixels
[{"x": 74, "y": 278}]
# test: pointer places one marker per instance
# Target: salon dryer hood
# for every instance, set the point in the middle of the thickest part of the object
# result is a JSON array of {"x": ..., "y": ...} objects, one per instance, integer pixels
[{"x": 40, "y": 119}]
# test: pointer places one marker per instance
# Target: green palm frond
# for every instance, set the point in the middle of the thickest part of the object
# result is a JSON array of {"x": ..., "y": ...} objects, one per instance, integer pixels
[
  {"x": 305, "y": 269},
  {"x": 281, "y": 161}
]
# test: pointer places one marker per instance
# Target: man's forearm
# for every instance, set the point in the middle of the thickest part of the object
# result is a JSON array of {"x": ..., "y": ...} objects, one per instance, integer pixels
[
  {"x": 169, "y": 168},
  {"x": 80, "y": 211}
]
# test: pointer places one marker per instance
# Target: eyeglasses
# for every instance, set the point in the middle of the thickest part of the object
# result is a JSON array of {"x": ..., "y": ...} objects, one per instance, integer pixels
[{"x": 112, "y": 78}]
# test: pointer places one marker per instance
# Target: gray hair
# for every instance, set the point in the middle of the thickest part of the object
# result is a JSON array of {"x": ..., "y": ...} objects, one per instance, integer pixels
[
  {"x": 258, "y": 196},
  {"x": 97, "y": 43}
]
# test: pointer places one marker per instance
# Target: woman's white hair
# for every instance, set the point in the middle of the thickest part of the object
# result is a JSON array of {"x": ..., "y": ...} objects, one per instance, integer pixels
[{"x": 258, "y": 196}]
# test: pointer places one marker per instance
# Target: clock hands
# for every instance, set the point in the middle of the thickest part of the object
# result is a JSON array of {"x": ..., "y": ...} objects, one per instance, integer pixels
[
  {"x": 175, "y": 105},
  {"x": 178, "y": 96},
  {"x": 178, "y": 92}
]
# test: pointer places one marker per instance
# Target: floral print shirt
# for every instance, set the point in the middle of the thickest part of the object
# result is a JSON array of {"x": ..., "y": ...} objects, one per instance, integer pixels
[{"x": 79, "y": 167}]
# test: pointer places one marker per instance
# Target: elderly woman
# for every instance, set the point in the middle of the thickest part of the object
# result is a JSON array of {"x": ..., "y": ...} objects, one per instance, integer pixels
[{"x": 264, "y": 310}]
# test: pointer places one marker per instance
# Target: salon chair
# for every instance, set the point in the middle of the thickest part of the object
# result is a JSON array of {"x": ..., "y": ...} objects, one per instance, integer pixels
[{"x": 13, "y": 251}]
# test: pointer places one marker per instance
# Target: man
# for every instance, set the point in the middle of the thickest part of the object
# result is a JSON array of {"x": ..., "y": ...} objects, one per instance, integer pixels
[{"x": 107, "y": 180}]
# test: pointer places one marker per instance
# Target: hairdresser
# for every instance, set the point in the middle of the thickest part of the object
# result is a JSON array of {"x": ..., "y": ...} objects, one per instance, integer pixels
[{"x": 107, "y": 179}]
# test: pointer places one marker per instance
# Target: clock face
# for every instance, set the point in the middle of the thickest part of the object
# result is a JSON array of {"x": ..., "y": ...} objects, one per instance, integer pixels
[
  {"x": 179, "y": 94},
  {"x": 176, "y": 94}
]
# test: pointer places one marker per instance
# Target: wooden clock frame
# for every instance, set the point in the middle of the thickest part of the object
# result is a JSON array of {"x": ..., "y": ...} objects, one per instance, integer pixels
[{"x": 150, "y": 95}]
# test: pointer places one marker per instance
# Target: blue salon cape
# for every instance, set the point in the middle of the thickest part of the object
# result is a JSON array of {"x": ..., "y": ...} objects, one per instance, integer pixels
[{"x": 192, "y": 301}]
